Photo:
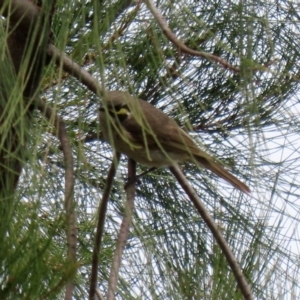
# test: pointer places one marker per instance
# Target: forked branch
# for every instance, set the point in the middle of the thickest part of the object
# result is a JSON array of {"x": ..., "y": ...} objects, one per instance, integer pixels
[{"x": 178, "y": 43}]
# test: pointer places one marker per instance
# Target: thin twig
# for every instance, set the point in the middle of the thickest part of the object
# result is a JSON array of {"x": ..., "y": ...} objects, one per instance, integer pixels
[
  {"x": 100, "y": 225},
  {"x": 69, "y": 187},
  {"x": 172, "y": 37},
  {"x": 123, "y": 234},
  {"x": 235, "y": 267},
  {"x": 54, "y": 290}
]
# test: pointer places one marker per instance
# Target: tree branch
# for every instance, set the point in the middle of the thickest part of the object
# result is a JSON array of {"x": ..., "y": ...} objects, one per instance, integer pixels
[
  {"x": 23, "y": 56},
  {"x": 22, "y": 13},
  {"x": 100, "y": 225},
  {"x": 172, "y": 37},
  {"x": 123, "y": 234},
  {"x": 235, "y": 267},
  {"x": 75, "y": 70},
  {"x": 69, "y": 187}
]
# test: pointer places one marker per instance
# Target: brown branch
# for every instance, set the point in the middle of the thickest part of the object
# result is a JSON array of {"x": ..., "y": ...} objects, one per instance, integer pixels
[
  {"x": 235, "y": 267},
  {"x": 123, "y": 234},
  {"x": 75, "y": 70},
  {"x": 69, "y": 187},
  {"x": 22, "y": 13},
  {"x": 100, "y": 225},
  {"x": 172, "y": 37},
  {"x": 21, "y": 70},
  {"x": 185, "y": 49}
]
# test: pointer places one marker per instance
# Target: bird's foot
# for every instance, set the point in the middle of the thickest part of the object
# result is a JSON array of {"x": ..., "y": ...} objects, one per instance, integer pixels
[{"x": 130, "y": 181}]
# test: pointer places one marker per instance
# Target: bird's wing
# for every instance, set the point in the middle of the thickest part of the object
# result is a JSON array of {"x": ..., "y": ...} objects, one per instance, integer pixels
[
  {"x": 182, "y": 141},
  {"x": 166, "y": 135},
  {"x": 176, "y": 138}
]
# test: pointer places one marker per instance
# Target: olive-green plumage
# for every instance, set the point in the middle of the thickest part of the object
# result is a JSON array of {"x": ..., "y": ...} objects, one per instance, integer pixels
[{"x": 148, "y": 136}]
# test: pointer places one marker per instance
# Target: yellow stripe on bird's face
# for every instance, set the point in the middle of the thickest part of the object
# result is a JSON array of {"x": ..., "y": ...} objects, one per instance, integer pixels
[
  {"x": 119, "y": 112},
  {"x": 122, "y": 111}
]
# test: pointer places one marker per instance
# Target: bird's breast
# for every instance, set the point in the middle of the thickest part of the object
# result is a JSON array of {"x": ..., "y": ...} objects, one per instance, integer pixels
[{"x": 157, "y": 158}]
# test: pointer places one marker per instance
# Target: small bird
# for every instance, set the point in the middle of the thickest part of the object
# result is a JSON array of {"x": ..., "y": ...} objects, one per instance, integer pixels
[{"x": 145, "y": 134}]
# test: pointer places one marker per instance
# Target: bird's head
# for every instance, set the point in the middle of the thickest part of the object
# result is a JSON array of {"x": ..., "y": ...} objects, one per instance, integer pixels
[{"x": 117, "y": 104}]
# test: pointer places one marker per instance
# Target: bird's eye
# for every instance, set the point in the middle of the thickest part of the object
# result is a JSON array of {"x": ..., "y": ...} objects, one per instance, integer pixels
[
  {"x": 116, "y": 108},
  {"x": 121, "y": 109}
]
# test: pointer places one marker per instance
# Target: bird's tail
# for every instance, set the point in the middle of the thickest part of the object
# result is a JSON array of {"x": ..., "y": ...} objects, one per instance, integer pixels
[{"x": 220, "y": 171}]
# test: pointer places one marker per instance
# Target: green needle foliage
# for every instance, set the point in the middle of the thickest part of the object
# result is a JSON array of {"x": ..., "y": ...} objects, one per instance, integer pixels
[{"x": 248, "y": 119}]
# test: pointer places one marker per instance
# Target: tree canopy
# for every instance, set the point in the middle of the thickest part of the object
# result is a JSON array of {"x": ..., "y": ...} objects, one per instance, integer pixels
[{"x": 226, "y": 71}]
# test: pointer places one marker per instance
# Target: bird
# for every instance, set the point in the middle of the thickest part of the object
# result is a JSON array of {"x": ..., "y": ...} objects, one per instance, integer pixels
[{"x": 147, "y": 135}]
